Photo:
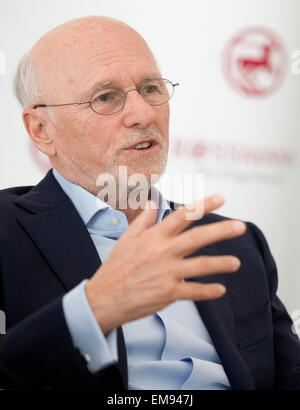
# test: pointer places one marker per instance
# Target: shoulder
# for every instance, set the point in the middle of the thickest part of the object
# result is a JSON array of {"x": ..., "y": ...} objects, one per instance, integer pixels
[
  {"x": 250, "y": 287},
  {"x": 15, "y": 192},
  {"x": 252, "y": 237},
  {"x": 251, "y": 247},
  {"x": 9, "y": 210},
  {"x": 9, "y": 195}
]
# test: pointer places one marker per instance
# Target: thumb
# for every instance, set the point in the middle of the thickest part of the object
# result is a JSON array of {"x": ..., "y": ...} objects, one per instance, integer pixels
[{"x": 144, "y": 220}]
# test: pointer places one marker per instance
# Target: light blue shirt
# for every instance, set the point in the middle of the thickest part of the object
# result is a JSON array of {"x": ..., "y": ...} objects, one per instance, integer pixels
[{"x": 168, "y": 350}]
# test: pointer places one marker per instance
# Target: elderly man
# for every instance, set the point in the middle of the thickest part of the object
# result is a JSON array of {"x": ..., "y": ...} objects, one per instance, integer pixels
[{"x": 103, "y": 296}]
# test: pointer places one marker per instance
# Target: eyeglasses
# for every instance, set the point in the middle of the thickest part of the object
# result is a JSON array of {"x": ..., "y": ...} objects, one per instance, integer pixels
[{"x": 108, "y": 101}]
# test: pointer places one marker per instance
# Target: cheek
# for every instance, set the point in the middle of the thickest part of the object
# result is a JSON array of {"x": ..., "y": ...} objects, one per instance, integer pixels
[
  {"x": 71, "y": 139},
  {"x": 162, "y": 121},
  {"x": 97, "y": 136}
]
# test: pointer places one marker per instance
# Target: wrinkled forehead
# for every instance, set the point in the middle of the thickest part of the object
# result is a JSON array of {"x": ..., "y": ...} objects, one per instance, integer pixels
[{"x": 70, "y": 59}]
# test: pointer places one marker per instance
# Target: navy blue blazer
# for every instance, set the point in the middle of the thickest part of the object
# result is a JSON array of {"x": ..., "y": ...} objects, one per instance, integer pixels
[{"x": 46, "y": 250}]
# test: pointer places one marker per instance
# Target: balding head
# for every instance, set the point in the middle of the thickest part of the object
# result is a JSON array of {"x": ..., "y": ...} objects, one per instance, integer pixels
[
  {"x": 70, "y": 63},
  {"x": 42, "y": 70},
  {"x": 63, "y": 54}
]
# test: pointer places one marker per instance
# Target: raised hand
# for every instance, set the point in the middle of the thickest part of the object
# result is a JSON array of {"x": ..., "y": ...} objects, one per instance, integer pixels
[{"x": 145, "y": 270}]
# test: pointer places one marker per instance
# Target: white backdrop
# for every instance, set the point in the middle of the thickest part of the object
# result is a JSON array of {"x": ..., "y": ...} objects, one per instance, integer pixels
[{"x": 246, "y": 145}]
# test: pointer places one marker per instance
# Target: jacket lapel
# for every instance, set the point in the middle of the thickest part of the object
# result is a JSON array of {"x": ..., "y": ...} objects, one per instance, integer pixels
[
  {"x": 218, "y": 319},
  {"x": 58, "y": 232},
  {"x": 61, "y": 236}
]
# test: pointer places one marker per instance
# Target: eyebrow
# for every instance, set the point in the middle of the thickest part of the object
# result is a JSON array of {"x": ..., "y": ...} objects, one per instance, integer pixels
[{"x": 98, "y": 85}]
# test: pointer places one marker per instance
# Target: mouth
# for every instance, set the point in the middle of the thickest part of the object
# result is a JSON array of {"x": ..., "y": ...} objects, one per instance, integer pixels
[{"x": 143, "y": 146}]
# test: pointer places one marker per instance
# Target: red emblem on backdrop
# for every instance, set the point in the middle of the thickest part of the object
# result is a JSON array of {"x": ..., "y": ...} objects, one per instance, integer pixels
[{"x": 255, "y": 61}]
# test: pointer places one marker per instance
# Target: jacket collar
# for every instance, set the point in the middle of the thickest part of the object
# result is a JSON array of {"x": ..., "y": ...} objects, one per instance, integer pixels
[{"x": 59, "y": 232}]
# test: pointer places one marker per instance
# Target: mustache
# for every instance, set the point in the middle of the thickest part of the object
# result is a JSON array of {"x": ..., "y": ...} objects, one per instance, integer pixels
[{"x": 141, "y": 134}]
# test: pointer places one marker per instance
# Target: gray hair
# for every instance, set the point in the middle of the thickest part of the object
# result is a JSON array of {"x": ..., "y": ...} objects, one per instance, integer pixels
[
  {"x": 26, "y": 87},
  {"x": 25, "y": 82}
]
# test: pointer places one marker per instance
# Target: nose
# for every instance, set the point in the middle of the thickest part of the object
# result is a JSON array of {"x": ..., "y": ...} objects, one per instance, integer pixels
[{"x": 137, "y": 112}]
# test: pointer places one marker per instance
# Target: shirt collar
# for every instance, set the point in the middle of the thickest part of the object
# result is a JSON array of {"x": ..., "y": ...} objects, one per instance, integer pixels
[{"x": 87, "y": 205}]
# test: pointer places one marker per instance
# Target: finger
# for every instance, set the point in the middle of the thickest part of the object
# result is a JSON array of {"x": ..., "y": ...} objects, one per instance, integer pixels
[
  {"x": 207, "y": 265},
  {"x": 182, "y": 217},
  {"x": 199, "y": 291},
  {"x": 143, "y": 221},
  {"x": 200, "y": 236}
]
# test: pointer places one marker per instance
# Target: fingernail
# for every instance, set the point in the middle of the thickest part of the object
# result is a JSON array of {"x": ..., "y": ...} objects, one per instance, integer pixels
[
  {"x": 221, "y": 289},
  {"x": 218, "y": 199},
  {"x": 239, "y": 226},
  {"x": 236, "y": 263},
  {"x": 194, "y": 210}
]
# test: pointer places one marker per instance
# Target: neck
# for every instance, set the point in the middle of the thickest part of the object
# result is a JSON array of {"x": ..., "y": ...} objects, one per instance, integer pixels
[
  {"x": 135, "y": 203},
  {"x": 131, "y": 214},
  {"x": 129, "y": 201}
]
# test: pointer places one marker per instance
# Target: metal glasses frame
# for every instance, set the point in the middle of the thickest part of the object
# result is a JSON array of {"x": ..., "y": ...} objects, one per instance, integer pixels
[{"x": 139, "y": 90}]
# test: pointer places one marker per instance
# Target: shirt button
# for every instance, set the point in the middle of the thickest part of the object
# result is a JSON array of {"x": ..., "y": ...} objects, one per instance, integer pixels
[
  {"x": 87, "y": 357},
  {"x": 114, "y": 221}
]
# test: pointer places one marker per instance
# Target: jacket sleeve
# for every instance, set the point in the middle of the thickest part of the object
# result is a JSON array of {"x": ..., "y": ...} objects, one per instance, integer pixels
[
  {"x": 38, "y": 352},
  {"x": 286, "y": 343}
]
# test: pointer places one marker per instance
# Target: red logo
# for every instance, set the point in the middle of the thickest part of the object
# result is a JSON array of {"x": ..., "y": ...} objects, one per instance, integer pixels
[{"x": 255, "y": 62}]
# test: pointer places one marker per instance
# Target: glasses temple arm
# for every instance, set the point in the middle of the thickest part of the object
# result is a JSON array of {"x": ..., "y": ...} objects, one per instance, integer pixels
[{"x": 61, "y": 105}]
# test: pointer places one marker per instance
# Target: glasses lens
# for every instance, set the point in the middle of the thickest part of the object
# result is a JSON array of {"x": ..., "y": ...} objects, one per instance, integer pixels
[
  {"x": 157, "y": 92},
  {"x": 107, "y": 101}
]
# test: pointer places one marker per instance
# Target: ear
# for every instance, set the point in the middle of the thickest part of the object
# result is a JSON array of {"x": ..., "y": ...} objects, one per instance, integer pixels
[{"x": 35, "y": 124}]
